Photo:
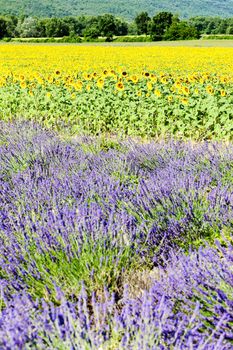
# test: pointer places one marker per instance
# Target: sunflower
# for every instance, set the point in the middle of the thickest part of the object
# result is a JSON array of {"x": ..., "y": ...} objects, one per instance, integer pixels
[
  {"x": 185, "y": 90},
  {"x": 94, "y": 75},
  {"x": 23, "y": 85},
  {"x": 87, "y": 76},
  {"x": 223, "y": 79},
  {"x": 134, "y": 78},
  {"x": 78, "y": 85},
  {"x": 223, "y": 93},
  {"x": 149, "y": 86},
  {"x": 170, "y": 98},
  {"x": 164, "y": 80},
  {"x": 177, "y": 84},
  {"x": 100, "y": 83},
  {"x": 184, "y": 101},
  {"x": 50, "y": 79},
  {"x": 40, "y": 81},
  {"x": 120, "y": 86},
  {"x": 210, "y": 90},
  {"x": 153, "y": 77},
  {"x": 157, "y": 93}
]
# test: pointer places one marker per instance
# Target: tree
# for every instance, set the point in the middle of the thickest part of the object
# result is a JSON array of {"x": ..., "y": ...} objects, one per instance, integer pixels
[
  {"x": 107, "y": 25},
  {"x": 56, "y": 27},
  {"x": 222, "y": 27},
  {"x": 11, "y": 24},
  {"x": 181, "y": 30},
  {"x": 229, "y": 30},
  {"x": 28, "y": 28},
  {"x": 142, "y": 21},
  {"x": 3, "y": 27},
  {"x": 121, "y": 27},
  {"x": 159, "y": 24},
  {"x": 199, "y": 22},
  {"x": 91, "y": 32}
]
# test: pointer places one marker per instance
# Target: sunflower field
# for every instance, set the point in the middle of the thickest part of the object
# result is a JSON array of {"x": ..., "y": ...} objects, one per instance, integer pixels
[{"x": 148, "y": 91}]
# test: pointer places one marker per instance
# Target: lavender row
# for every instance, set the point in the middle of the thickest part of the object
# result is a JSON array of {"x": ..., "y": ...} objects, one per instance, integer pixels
[
  {"x": 82, "y": 219},
  {"x": 189, "y": 306}
]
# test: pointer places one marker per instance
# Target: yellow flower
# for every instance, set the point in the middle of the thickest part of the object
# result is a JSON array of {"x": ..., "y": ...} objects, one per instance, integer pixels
[
  {"x": 223, "y": 93},
  {"x": 177, "y": 84},
  {"x": 23, "y": 85},
  {"x": 153, "y": 77},
  {"x": 164, "y": 80},
  {"x": 87, "y": 76},
  {"x": 184, "y": 101},
  {"x": 120, "y": 86},
  {"x": 149, "y": 86},
  {"x": 50, "y": 79},
  {"x": 88, "y": 87},
  {"x": 48, "y": 94},
  {"x": 106, "y": 72},
  {"x": 185, "y": 90},
  {"x": 157, "y": 93},
  {"x": 100, "y": 83},
  {"x": 40, "y": 80},
  {"x": 78, "y": 85},
  {"x": 94, "y": 75},
  {"x": 170, "y": 98},
  {"x": 134, "y": 79},
  {"x": 139, "y": 93},
  {"x": 30, "y": 92},
  {"x": 191, "y": 79},
  {"x": 210, "y": 90},
  {"x": 223, "y": 79}
]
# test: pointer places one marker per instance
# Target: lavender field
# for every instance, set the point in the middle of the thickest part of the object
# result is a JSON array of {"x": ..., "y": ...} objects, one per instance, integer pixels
[{"x": 114, "y": 245}]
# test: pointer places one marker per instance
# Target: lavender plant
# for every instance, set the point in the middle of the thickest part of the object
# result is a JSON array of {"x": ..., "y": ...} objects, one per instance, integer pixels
[{"x": 81, "y": 220}]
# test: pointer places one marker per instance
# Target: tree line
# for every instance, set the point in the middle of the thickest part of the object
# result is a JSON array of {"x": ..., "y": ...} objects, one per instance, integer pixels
[{"x": 162, "y": 26}]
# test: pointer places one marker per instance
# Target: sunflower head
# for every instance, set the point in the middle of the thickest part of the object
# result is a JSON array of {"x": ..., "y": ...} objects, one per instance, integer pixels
[
  {"x": 223, "y": 93},
  {"x": 119, "y": 86},
  {"x": 184, "y": 101},
  {"x": 157, "y": 93},
  {"x": 210, "y": 90},
  {"x": 134, "y": 79},
  {"x": 23, "y": 85},
  {"x": 100, "y": 83}
]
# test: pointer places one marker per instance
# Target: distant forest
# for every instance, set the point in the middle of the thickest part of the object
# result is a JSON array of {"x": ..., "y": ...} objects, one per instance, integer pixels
[
  {"x": 162, "y": 26},
  {"x": 125, "y": 9}
]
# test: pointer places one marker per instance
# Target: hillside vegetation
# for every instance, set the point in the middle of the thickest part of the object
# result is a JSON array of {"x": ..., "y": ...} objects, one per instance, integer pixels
[{"x": 125, "y": 9}]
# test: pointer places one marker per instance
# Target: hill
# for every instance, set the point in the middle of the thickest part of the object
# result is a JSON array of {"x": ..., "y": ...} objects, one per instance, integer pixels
[{"x": 127, "y": 9}]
